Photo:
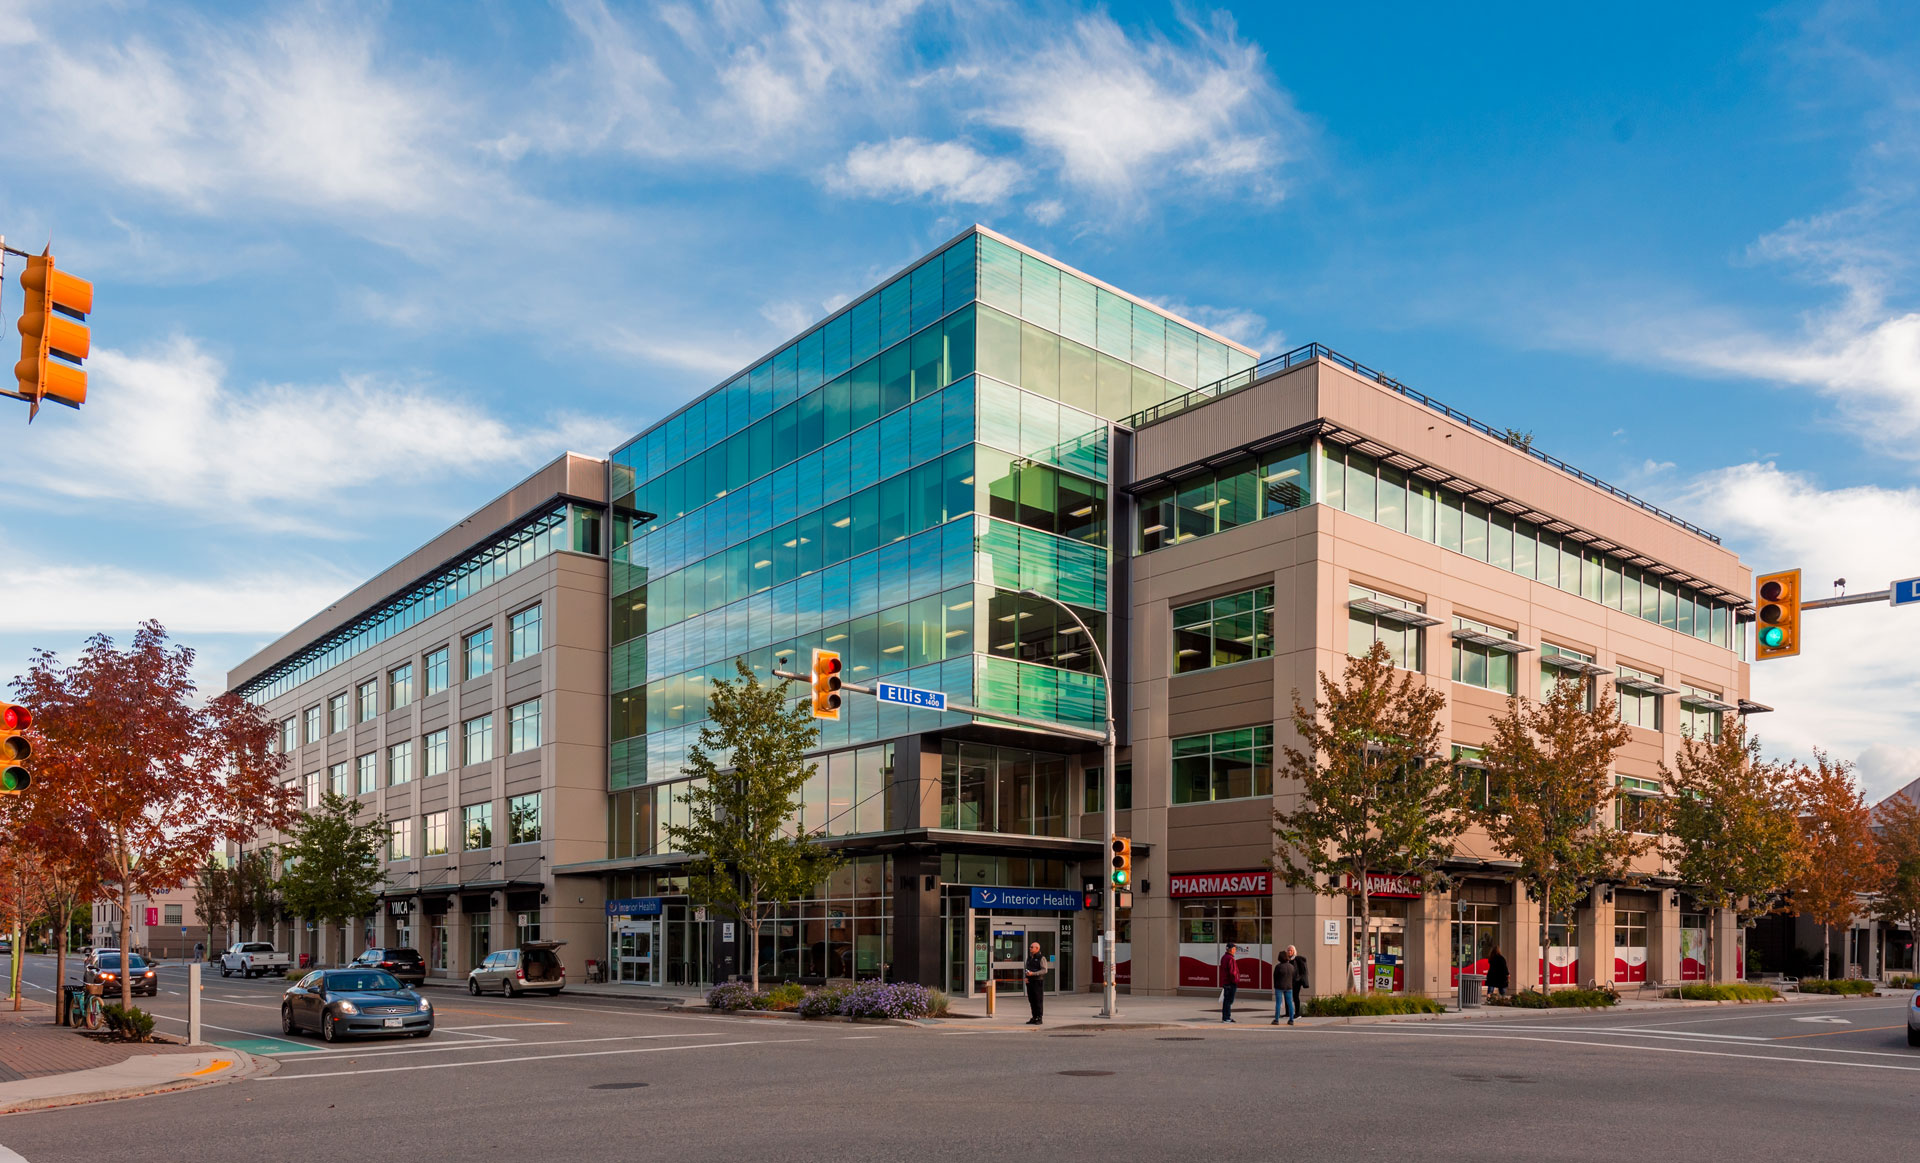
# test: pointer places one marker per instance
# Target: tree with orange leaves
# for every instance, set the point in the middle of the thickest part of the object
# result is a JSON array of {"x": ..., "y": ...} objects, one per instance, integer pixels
[
  {"x": 150, "y": 778},
  {"x": 1839, "y": 856}
]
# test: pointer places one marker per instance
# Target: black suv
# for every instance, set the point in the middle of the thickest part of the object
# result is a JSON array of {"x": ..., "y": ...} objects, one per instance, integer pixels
[{"x": 404, "y": 964}]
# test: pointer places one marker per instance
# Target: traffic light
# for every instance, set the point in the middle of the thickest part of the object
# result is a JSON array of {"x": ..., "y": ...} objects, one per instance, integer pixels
[
  {"x": 1090, "y": 896},
  {"x": 1122, "y": 875},
  {"x": 52, "y": 329},
  {"x": 1777, "y": 631},
  {"x": 15, "y": 750},
  {"x": 826, "y": 684}
]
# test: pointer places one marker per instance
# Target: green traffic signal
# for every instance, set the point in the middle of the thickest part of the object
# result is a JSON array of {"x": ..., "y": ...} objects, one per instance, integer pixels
[
  {"x": 15, "y": 779},
  {"x": 1773, "y": 637},
  {"x": 1120, "y": 878}
]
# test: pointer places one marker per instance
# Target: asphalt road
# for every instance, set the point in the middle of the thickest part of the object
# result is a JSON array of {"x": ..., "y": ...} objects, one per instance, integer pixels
[{"x": 538, "y": 1079}]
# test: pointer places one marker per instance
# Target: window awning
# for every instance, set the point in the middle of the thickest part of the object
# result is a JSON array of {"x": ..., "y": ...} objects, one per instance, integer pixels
[
  {"x": 1391, "y": 613},
  {"x": 1490, "y": 641},
  {"x": 1643, "y": 686},
  {"x": 1749, "y": 707},
  {"x": 1705, "y": 703},
  {"x": 1574, "y": 665}
]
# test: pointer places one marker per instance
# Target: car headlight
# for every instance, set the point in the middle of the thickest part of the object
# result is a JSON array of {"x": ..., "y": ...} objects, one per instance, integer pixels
[
  {"x": 148, "y": 973},
  {"x": 426, "y": 1007},
  {"x": 346, "y": 1007}
]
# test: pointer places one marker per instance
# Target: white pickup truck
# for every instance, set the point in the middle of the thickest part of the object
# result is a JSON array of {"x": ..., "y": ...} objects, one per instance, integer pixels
[{"x": 253, "y": 959}]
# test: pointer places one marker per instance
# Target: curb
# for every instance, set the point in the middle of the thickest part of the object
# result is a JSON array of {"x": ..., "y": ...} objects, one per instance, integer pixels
[{"x": 245, "y": 1066}]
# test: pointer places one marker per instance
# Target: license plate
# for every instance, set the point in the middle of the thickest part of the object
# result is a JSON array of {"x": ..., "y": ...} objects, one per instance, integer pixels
[{"x": 391, "y": 1023}]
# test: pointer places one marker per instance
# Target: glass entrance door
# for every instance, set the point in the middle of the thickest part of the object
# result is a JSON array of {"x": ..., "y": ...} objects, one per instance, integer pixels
[
  {"x": 638, "y": 953},
  {"x": 1386, "y": 961},
  {"x": 1007, "y": 940}
]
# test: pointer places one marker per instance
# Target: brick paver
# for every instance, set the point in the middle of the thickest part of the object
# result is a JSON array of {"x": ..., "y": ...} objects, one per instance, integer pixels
[{"x": 31, "y": 1046}]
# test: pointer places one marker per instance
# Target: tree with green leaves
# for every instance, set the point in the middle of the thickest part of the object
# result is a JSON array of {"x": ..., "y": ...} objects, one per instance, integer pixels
[
  {"x": 331, "y": 862},
  {"x": 1376, "y": 796},
  {"x": 213, "y": 900},
  {"x": 256, "y": 891},
  {"x": 1729, "y": 826},
  {"x": 1549, "y": 781},
  {"x": 749, "y": 854}
]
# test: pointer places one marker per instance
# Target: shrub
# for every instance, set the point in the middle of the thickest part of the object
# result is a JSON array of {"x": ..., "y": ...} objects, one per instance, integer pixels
[
  {"x": 1351, "y": 1005},
  {"x": 133, "y": 1024},
  {"x": 1560, "y": 999},
  {"x": 1736, "y": 991},
  {"x": 875, "y": 999},
  {"x": 781, "y": 998},
  {"x": 940, "y": 1004},
  {"x": 730, "y": 996},
  {"x": 1901, "y": 981},
  {"x": 823, "y": 1002},
  {"x": 1840, "y": 985}
]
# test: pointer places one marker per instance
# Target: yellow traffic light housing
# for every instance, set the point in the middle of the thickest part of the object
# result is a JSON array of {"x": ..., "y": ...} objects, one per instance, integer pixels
[
  {"x": 15, "y": 748},
  {"x": 1121, "y": 875},
  {"x": 1777, "y": 621},
  {"x": 826, "y": 684},
  {"x": 52, "y": 330}
]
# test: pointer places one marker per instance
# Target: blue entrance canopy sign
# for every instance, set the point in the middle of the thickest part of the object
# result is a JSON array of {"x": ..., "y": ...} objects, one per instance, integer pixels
[
  {"x": 1904, "y": 592},
  {"x": 893, "y": 692},
  {"x": 1057, "y": 899},
  {"x": 635, "y": 906}
]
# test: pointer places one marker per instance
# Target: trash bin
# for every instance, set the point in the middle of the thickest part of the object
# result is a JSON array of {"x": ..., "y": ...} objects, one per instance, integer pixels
[{"x": 1473, "y": 987}]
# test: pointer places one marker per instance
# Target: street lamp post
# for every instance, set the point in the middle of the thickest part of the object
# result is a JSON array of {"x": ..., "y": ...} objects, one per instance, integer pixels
[{"x": 1109, "y": 1007}]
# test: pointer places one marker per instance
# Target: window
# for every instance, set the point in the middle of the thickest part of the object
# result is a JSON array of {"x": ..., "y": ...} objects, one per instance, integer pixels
[
  {"x": 173, "y": 914},
  {"x": 1639, "y": 694},
  {"x": 1220, "y": 499},
  {"x": 435, "y": 827},
  {"x": 400, "y": 840},
  {"x": 477, "y": 742},
  {"x": 523, "y": 726},
  {"x": 366, "y": 773},
  {"x": 1483, "y": 655},
  {"x": 523, "y": 819},
  {"x": 400, "y": 686},
  {"x": 1636, "y": 804},
  {"x": 476, "y": 826},
  {"x": 436, "y": 668},
  {"x": 1122, "y": 787},
  {"x": 1223, "y": 631},
  {"x": 1700, "y": 712},
  {"x": 289, "y": 735},
  {"x": 435, "y": 758},
  {"x": 1225, "y": 765},
  {"x": 337, "y": 713},
  {"x": 1396, "y": 622},
  {"x": 311, "y": 781},
  {"x": 1001, "y": 789},
  {"x": 337, "y": 780},
  {"x": 477, "y": 650},
  {"x": 366, "y": 700},
  {"x": 400, "y": 763},
  {"x": 313, "y": 724},
  {"x": 523, "y": 634},
  {"x": 1480, "y": 790},
  {"x": 1562, "y": 662}
]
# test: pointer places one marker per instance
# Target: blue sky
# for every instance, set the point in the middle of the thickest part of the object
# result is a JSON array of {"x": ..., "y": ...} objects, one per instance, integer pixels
[{"x": 357, "y": 267}]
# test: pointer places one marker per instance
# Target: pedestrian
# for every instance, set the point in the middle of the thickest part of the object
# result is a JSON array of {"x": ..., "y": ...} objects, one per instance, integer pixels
[
  {"x": 1036, "y": 982},
  {"x": 1499, "y": 977},
  {"x": 1286, "y": 987},
  {"x": 1299, "y": 977},
  {"x": 1229, "y": 981}
]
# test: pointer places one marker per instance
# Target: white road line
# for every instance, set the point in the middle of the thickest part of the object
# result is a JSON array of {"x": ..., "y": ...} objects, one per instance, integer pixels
[
  {"x": 231, "y": 1030},
  {"x": 1655, "y": 1049},
  {"x": 1725, "y": 1039},
  {"x": 529, "y": 1058},
  {"x": 475, "y": 1037},
  {"x": 323, "y": 1055},
  {"x": 499, "y": 1026},
  {"x": 9, "y": 1156}
]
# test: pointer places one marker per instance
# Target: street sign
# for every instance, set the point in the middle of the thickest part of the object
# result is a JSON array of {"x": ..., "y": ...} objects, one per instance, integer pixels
[
  {"x": 1904, "y": 592},
  {"x": 893, "y": 692}
]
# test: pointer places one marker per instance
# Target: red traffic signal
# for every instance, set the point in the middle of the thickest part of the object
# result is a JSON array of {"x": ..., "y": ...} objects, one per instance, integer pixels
[
  {"x": 15, "y": 748},
  {"x": 826, "y": 684}
]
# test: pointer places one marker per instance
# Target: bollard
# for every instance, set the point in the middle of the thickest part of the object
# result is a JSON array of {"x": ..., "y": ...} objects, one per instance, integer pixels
[
  {"x": 989, "y": 997},
  {"x": 193, "y": 1004}
]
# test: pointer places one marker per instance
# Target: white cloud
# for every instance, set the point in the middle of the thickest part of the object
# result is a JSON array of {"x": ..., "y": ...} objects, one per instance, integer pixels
[
  {"x": 1849, "y": 691},
  {"x": 87, "y": 597},
  {"x": 948, "y": 171},
  {"x": 165, "y": 428},
  {"x": 1236, "y": 323}
]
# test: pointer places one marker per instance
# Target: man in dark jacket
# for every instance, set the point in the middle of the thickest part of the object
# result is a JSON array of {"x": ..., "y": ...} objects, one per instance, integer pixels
[
  {"x": 1229, "y": 982},
  {"x": 1036, "y": 974},
  {"x": 1286, "y": 987},
  {"x": 1499, "y": 977}
]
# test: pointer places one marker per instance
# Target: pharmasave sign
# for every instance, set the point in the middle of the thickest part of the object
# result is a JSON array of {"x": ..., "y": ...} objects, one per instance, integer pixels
[
  {"x": 1255, "y": 883},
  {"x": 1384, "y": 884}
]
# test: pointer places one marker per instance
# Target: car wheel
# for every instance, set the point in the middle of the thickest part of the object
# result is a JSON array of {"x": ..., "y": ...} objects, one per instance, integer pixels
[
  {"x": 329, "y": 1029},
  {"x": 473, "y": 986},
  {"x": 1913, "y": 1036},
  {"x": 553, "y": 993},
  {"x": 507, "y": 988},
  {"x": 286, "y": 1021},
  {"x": 225, "y": 972}
]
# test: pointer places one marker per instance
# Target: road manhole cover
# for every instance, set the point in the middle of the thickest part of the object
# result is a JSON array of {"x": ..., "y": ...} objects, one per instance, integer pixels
[
  {"x": 1179, "y": 1039},
  {"x": 1087, "y": 1073},
  {"x": 617, "y": 1086}
]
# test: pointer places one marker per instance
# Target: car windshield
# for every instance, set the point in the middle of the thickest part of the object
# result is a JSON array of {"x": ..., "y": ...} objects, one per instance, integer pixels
[
  {"x": 347, "y": 982},
  {"x": 403, "y": 954},
  {"x": 112, "y": 961}
]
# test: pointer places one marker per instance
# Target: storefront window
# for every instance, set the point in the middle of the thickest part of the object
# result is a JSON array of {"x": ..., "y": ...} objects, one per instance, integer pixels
[
  {"x": 1002, "y": 789},
  {"x": 1206, "y": 928},
  {"x": 1476, "y": 933},
  {"x": 1629, "y": 945},
  {"x": 437, "y": 953}
]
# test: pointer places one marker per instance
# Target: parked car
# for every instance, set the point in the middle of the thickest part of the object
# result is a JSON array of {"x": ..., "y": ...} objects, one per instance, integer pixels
[
  {"x": 253, "y": 959},
  {"x": 533, "y": 967},
  {"x": 1913, "y": 1020},
  {"x": 106, "y": 971},
  {"x": 354, "y": 1003},
  {"x": 405, "y": 964}
]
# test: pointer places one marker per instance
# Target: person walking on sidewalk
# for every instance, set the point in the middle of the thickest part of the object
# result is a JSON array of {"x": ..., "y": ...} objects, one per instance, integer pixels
[
  {"x": 1036, "y": 982},
  {"x": 1299, "y": 976},
  {"x": 1286, "y": 988},
  {"x": 1499, "y": 977},
  {"x": 1229, "y": 981}
]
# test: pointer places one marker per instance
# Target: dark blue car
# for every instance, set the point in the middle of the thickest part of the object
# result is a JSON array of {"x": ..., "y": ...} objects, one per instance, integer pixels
[{"x": 354, "y": 1003}]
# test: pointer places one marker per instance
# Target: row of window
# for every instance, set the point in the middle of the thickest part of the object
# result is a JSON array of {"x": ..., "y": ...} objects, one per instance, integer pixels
[
  {"x": 1222, "y": 631},
  {"x": 362, "y": 774},
  {"x": 427, "y": 835},
  {"x": 477, "y": 661}
]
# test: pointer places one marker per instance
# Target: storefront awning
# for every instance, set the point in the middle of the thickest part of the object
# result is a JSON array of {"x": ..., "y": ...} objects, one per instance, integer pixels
[{"x": 1392, "y": 613}]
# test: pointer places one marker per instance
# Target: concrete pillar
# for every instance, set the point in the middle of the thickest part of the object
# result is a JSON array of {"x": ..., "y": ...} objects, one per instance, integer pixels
[
  {"x": 1524, "y": 960},
  {"x": 1663, "y": 936},
  {"x": 1594, "y": 923},
  {"x": 917, "y": 945},
  {"x": 1429, "y": 934},
  {"x": 1726, "y": 939}
]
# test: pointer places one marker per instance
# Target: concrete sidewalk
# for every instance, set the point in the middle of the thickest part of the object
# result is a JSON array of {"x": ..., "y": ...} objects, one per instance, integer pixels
[{"x": 44, "y": 1065}]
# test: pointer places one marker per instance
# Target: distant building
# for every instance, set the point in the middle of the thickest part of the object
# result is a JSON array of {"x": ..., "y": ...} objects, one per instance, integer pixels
[{"x": 165, "y": 925}]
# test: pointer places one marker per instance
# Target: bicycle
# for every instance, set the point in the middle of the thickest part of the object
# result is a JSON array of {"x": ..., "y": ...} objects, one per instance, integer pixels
[{"x": 86, "y": 1006}]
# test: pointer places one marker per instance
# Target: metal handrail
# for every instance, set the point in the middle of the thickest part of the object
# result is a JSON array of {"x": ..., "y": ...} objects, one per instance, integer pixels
[{"x": 1313, "y": 351}]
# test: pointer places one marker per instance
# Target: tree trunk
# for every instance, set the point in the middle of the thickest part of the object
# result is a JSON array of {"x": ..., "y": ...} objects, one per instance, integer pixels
[
  {"x": 1366, "y": 937},
  {"x": 1546, "y": 943},
  {"x": 1826, "y": 951},
  {"x": 126, "y": 943},
  {"x": 60, "y": 963},
  {"x": 753, "y": 939}
]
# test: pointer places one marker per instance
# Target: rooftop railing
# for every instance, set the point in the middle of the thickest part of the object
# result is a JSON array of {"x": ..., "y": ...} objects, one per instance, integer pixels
[{"x": 1313, "y": 351}]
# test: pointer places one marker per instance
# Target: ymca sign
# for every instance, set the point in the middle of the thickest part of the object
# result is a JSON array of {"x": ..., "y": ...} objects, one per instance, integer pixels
[{"x": 1255, "y": 883}]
